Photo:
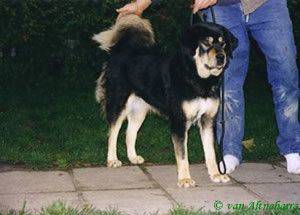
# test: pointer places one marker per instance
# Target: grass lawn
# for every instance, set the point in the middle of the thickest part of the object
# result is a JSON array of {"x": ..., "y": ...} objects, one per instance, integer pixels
[
  {"x": 59, "y": 208},
  {"x": 52, "y": 126}
]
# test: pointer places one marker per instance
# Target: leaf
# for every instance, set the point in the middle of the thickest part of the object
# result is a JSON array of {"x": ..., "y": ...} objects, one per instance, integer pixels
[{"x": 249, "y": 144}]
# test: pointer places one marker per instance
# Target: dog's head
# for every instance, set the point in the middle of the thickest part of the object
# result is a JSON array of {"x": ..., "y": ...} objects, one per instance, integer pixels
[{"x": 210, "y": 46}]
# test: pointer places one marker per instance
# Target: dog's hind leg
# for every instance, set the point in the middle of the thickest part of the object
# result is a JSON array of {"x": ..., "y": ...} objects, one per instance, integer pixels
[
  {"x": 179, "y": 139},
  {"x": 207, "y": 137},
  {"x": 112, "y": 158},
  {"x": 137, "y": 110}
]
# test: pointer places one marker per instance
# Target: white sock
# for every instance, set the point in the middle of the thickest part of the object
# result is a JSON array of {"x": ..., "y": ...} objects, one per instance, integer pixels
[
  {"x": 231, "y": 163},
  {"x": 293, "y": 163}
]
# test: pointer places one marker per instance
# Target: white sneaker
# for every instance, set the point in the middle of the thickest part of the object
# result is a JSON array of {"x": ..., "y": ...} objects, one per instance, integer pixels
[
  {"x": 293, "y": 163},
  {"x": 231, "y": 163}
]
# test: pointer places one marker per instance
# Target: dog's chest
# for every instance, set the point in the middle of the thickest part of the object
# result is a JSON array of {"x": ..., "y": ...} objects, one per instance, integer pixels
[{"x": 195, "y": 108}]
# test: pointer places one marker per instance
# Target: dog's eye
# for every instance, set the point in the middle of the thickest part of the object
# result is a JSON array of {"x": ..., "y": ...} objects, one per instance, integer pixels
[{"x": 221, "y": 39}]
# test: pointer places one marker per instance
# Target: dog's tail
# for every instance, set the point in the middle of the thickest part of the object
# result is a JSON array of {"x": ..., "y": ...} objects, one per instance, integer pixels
[
  {"x": 100, "y": 87},
  {"x": 129, "y": 31},
  {"x": 100, "y": 91}
]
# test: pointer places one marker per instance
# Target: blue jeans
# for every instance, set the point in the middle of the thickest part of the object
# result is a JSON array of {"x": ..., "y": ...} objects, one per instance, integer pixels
[{"x": 271, "y": 27}]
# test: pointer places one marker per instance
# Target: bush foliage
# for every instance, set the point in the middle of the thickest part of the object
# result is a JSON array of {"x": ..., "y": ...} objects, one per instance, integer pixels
[{"x": 44, "y": 39}]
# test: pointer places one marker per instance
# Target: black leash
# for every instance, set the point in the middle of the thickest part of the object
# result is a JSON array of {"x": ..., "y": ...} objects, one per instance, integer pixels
[
  {"x": 222, "y": 95},
  {"x": 223, "y": 126}
]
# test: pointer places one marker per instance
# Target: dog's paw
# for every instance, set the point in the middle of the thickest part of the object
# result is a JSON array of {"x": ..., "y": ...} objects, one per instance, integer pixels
[
  {"x": 114, "y": 163},
  {"x": 218, "y": 178},
  {"x": 137, "y": 160},
  {"x": 186, "y": 182}
]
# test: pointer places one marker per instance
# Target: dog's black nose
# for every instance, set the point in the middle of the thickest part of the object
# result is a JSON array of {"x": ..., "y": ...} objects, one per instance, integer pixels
[{"x": 220, "y": 59}]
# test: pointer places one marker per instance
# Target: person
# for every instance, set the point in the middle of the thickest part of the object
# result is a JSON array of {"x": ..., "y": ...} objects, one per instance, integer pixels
[{"x": 269, "y": 23}]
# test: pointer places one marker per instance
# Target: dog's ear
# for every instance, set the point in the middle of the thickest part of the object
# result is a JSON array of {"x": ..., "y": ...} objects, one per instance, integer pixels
[
  {"x": 231, "y": 43},
  {"x": 189, "y": 40}
]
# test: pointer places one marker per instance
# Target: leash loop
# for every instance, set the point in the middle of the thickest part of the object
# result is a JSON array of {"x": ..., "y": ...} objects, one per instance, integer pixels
[{"x": 223, "y": 127}]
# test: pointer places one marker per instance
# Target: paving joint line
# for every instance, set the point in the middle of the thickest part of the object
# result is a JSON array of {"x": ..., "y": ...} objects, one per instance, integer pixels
[
  {"x": 119, "y": 189},
  {"x": 249, "y": 190},
  {"x": 77, "y": 188},
  {"x": 158, "y": 185},
  {"x": 277, "y": 182},
  {"x": 38, "y": 192},
  {"x": 81, "y": 190}
]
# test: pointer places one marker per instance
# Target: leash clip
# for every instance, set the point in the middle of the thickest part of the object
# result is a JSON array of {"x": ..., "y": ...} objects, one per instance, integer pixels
[{"x": 201, "y": 17}]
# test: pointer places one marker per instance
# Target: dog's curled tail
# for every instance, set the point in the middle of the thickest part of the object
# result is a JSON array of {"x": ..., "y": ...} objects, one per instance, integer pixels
[
  {"x": 100, "y": 92},
  {"x": 131, "y": 29}
]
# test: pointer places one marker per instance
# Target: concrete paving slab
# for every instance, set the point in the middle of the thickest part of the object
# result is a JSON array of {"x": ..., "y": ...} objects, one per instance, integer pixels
[
  {"x": 166, "y": 176},
  {"x": 292, "y": 177},
  {"x": 283, "y": 163},
  {"x": 284, "y": 192},
  {"x": 148, "y": 201},
  {"x": 126, "y": 177},
  {"x": 205, "y": 197},
  {"x": 260, "y": 173},
  {"x": 31, "y": 181},
  {"x": 36, "y": 201}
]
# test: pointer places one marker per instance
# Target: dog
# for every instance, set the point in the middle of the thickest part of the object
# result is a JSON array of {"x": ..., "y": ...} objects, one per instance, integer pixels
[{"x": 183, "y": 86}]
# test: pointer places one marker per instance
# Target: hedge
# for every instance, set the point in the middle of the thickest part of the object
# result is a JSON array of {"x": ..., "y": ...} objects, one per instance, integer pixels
[{"x": 44, "y": 39}]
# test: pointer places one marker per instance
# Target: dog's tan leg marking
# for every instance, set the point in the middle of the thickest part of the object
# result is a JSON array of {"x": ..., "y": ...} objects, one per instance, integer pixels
[
  {"x": 112, "y": 158},
  {"x": 207, "y": 137},
  {"x": 134, "y": 124},
  {"x": 183, "y": 170},
  {"x": 137, "y": 111}
]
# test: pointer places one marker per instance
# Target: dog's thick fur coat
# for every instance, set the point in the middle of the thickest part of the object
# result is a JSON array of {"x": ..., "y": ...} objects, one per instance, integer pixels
[{"x": 184, "y": 87}]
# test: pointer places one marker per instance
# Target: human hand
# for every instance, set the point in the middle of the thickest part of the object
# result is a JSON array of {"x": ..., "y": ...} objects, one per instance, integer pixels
[
  {"x": 202, "y": 4},
  {"x": 136, "y": 7}
]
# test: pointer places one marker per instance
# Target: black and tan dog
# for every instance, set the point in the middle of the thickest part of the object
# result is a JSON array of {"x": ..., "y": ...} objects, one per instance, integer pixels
[{"x": 184, "y": 87}]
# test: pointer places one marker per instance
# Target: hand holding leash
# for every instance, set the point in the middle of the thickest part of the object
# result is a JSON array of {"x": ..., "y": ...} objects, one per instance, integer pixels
[{"x": 202, "y": 4}]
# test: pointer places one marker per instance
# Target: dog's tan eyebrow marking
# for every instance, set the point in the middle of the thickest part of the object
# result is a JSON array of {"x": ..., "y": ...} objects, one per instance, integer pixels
[{"x": 210, "y": 39}]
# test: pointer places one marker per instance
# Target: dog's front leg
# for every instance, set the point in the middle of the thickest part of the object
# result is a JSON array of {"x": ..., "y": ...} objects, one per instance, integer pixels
[
  {"x": 179, "y": 139},
  {"x": 207, "y": 137}
]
